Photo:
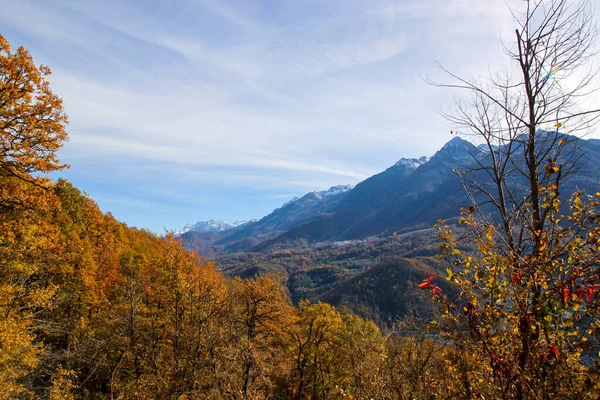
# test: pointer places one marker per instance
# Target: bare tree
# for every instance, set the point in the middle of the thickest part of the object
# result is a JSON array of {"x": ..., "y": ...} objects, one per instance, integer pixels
[
  {"x": 529, "y": 294},
  {"x": 511, "y": 115}
]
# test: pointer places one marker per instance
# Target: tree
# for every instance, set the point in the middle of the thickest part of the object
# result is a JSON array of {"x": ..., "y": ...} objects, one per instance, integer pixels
[
  {"x": 32, "y": 121},
  {"x": 32, "y": 128},
  {"x": 315, "y": 338},
  {"x": 528, "y": 299},
  {"x": 361, "y": 345},
  {"x": 261, "y": 313}
]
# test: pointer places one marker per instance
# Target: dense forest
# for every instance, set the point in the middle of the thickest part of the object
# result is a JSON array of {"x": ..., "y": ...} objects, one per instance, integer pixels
[
  {"x": 375, "y": 278},
  {"x": 91, "y": 308}
]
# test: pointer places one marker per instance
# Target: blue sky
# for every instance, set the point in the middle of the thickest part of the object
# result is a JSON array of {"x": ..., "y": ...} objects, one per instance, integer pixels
[{"x": 189, "y": 110}]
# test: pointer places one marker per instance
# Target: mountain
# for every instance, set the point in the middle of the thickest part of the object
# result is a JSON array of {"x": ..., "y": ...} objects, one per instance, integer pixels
[
  {"x": 412, "y": 194},
  {"x": 378, "y": 187},
  {"x": 244, "y": 237},
  {"x": 595, "y": 142},
  {"x": 209, "y": 226}
]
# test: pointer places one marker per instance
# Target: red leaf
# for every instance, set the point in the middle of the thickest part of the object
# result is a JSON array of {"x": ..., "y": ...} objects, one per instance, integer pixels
[
  {"x": 426, "y": 283},
  {"x": 566, "y": 293},
  {"x": 554, "y": 352}
]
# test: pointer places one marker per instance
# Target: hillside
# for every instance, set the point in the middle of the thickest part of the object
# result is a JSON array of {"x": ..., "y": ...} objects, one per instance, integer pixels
[{"x": 374, "y": 277}]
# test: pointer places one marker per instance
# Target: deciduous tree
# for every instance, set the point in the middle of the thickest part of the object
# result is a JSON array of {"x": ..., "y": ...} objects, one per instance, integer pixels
[{"x": 527, "y": 300}]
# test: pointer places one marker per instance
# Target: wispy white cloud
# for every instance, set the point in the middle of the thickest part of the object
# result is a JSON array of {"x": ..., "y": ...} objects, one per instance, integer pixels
[{"x": 192, "y": 157}]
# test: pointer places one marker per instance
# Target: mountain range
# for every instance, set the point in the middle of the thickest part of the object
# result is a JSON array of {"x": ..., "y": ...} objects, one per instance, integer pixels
[
  {"x": 308, "y": 203},
  {"x": 366, "y": 248},
  {"x": 210, "y": 226},
  {"x": 412, "y": 194}
]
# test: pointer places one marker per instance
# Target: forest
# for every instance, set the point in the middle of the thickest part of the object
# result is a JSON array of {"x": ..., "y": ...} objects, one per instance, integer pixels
[
  {"x": 377, "y": 279},
  {"x": 93, "y": 309}
]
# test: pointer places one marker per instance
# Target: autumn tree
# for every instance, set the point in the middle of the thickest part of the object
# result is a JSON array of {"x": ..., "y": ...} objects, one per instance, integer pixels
[
  {"x": 528, "y": 301},
  {"x": 261, "y": 314},
  {"x": 415, "y": 364},
  {"x": 32, "y": 129},
  {"x": 315, "y": 337},
  {"x": 362, "y": 346},
  {"x": 32, "y": 121}
]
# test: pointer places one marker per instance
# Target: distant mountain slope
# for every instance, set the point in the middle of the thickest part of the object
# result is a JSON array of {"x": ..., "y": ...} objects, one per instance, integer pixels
[
  {"x": 294, "y": 212},
  {"x": 411, "y": 193},
  {"x": 378, "y": 188},
  {"x": 406, "y": 194},
  {"x": 595, "y": 142},
  {"x": 377, "y": 277},
  {"x": 303, "y": 209}
]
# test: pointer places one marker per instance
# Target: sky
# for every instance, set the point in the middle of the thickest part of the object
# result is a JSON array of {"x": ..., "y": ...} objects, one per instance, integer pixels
[{"x": 187, "y": 110}]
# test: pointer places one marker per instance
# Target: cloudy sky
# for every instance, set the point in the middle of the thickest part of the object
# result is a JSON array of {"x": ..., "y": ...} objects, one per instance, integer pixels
[{"x": 186, "y": 110}]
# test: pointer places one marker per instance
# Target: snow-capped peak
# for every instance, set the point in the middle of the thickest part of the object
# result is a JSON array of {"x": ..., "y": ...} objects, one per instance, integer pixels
[
  {"x": 334, "y": 190},
  {"x": 411, "y": 162},
  {"x": 209, "y": 226}
]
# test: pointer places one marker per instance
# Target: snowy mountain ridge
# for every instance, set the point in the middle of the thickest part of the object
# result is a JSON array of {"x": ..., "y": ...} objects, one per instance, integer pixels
[
  {"x": 411, "y": 162},
  {"x": 334, "y": 190},
  {"x": 210, "y": 226}
]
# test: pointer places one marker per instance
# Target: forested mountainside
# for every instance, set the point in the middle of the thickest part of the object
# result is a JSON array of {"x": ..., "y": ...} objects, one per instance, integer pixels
[{"x": 376, "y": 277}]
